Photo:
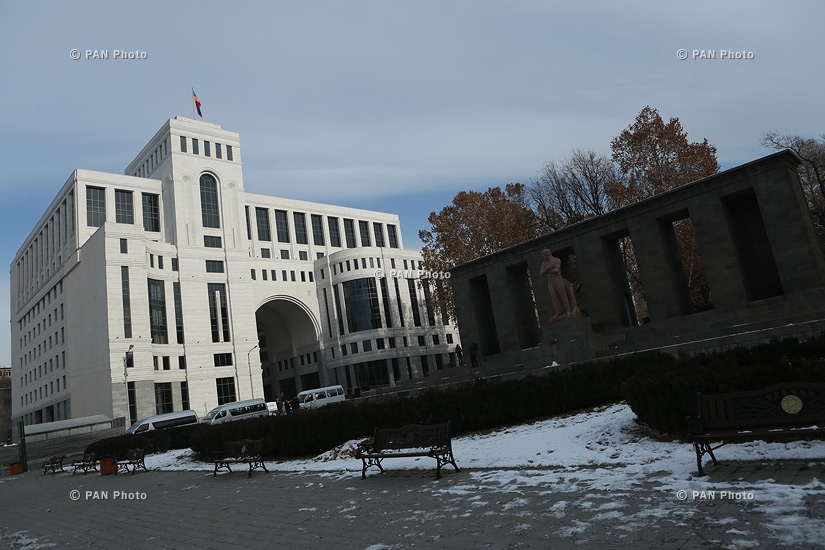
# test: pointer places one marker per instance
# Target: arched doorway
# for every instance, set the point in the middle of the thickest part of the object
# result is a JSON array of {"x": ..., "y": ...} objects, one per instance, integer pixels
[{"x": 288, "y": 335}]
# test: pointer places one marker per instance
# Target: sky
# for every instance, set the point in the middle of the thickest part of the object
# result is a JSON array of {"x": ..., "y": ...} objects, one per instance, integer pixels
[
  {"x": 600, "y": 450},
  {"x": 388, "y": 105}
]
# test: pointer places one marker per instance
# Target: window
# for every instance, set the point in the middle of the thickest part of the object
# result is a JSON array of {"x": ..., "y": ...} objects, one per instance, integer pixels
[
  {"x": 184, "y": 393},
  {"x": 248, "y": 225},
  {"x": 195, "y": 146},
  {"x": 207, "y": 149},
  {"x": 218, "y": 312},
  {"x": 252, "y": 274},
  {"x": 209, "y": 201},
  {"x": 124, "y": 213},
  {"x": 95, "y": 206},
  {"x": 166, "y": 363},
  {"x": 317, "y": 229},
  {"x": 334, "y": 232},
  {"x": 385, "y": 296},
  {"x": 127, "y": 302},
  {"x": 349, "y": 232},
  {"x": 211, "y": 241},
  {"x": 282, "y": 226},
  {"x": 182, "y": 366},
  {"x": 414, "y": 302},
  {"x": 264, "y": 274},
  {"x": 262, "y": 222},
  {"x": 300, "y": 228},
  {"x": 175, "y": 264},
  {"x": 362, "y": 306},
  {"x": 366, "y": 345},
  {"x": 182, "y": 144},
  {"x": 124, "y": 248},
  {"x": 392, "y": 236},
  {"x": 229, "y": 152},
  {"x": 364, "y": 228},
  {"x": 157, "y": 312},
  {"x": 266, "y": 253},
  {"x": 302, "y": 255},
  {"x": 151, "y": 212},
  {"x": 160, "y": 262},
  {"x": 284, "y": 254},
  {"x": 214, "y": 266},
  {"x": 178, "y": 311},
  {"x": 225, "y": 387},
  {"x": 223, "y": 359},
  {"x": 218, "y": 150},
  {"x": 272, "y": 274},
  {"x": 163, "y": 398},
  {"x": 378, "y": 229},
  {"x": 422, "y": 341}
]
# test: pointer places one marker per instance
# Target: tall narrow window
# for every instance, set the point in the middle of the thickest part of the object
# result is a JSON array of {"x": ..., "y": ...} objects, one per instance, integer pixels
[
  {"x": 195, "y": 146},
  {"x": 414, "y": 302},
  {"x": 229, "y": 152},
  {"x": 151, "y": 212},
  {"x": 218, "y": 151},
  {"x": 300, "y": 228},
  {"x": 392, "y": 236},
  {"x": 282, "y": 226},
  {"x": 349, "y": 232},
  {"x": 248, "y": 224},
  {"x": 207, "y": 149},
  {"x": 334, "y": 232},
  {"x": 385, "y": 295},
  {"x": 226, "y": 390},
  {"x": 184, "y": 394},
  {"x": 163, "y": 398},
  {"x": 178, "y": 312},
  {"x": 124, "y": 212},
  {"x": 127, "y": 302},
  {"x": 364, "y": 228},
  {"x": 218, "y": 312},
  {"x": 157, "y": 312},
  {"x": 95, "y": 206},
  {"x": 209, "y": 201},
  {"x": 262, "y": 220},
  {"x": 317, "y": 229},
  {"x": 398, "y": 301},
  {"x": 182, "y": 144},
  {"x": 378, "y": 229}
]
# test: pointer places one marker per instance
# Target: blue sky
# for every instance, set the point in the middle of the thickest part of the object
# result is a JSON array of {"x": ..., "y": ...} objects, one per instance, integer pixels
[{"x": 388, "y": 105}]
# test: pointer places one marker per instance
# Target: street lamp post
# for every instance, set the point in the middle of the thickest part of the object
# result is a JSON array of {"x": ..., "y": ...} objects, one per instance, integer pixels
[
  {"x": 126, "y": 381},
  {"x": 249, "y": 364}
]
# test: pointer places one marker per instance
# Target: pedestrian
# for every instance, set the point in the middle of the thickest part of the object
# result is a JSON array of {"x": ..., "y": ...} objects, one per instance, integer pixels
[
  {"x": 474, "y": 355},
  {"x": 459, "y": 354}
]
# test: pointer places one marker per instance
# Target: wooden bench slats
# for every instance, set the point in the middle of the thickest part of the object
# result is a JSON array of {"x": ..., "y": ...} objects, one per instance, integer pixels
[
  {"x": 412, "y": 440},
  {"x": 792, "y": 410},
  {"x": 54, "y": 464},
  {"x": 88, "y": 462},
  {"x": 245, "y": 451},
  {"x": 134, "y": 458}
]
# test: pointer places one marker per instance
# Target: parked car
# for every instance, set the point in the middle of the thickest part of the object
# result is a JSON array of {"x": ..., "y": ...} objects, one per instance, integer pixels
[
  {"x": 237, "y": 410},
  {"x": 160, "y": 421}
]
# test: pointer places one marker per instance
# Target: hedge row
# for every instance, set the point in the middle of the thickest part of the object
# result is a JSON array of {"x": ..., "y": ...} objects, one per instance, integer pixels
[{"x": 660, "y": 389}]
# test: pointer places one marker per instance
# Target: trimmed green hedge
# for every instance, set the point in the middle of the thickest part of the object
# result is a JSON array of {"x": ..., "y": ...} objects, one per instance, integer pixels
[{"x": 661, "y": 390}]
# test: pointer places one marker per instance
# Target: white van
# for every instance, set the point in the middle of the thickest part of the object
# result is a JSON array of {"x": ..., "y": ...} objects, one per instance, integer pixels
[
  {"x": 168, "y": 420},
  {"x": 312, "y": 399},
  {"x": 237, "y": 410}
]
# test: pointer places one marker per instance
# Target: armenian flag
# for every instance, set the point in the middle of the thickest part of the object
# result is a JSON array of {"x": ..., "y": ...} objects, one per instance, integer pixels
[{"x": 197, "y": 102}]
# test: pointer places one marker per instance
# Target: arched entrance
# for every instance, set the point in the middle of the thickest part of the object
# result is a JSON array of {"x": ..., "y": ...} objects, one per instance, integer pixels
[{"x": 288, "y": 333}]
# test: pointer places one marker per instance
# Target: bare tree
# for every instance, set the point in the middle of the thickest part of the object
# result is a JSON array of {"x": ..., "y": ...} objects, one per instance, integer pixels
[
  {"x": 573, "y": 190},
  {"x": 811, "y": 172}
]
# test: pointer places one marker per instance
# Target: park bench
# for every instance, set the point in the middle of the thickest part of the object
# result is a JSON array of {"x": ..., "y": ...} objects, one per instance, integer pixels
[
  {"x": 788, "y": 411},
  {"x": 54, "y": 464},
  {"x": 134, "y": 458},
  {"x": 245, "y": 451},
  {"x": 88, "y": 462},
  {"x": 413, "y": 440}
]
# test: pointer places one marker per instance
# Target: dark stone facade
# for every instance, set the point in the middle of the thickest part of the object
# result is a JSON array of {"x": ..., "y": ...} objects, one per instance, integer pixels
[{"x": 763, "y": 265}]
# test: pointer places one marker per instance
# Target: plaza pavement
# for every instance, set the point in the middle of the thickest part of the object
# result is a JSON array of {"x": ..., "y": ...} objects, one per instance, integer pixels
[{"x": 403, "y": 508}]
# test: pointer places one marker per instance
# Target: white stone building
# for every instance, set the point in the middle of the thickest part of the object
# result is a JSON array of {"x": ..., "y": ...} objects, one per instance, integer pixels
[{"x": 170, "y": 288}]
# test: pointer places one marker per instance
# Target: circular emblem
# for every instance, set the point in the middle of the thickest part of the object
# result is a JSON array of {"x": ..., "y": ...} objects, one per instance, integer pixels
[{"x": 791, "y": 404}]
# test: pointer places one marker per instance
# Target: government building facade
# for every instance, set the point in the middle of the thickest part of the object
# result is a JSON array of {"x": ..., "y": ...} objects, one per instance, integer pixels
[{"x": 170, "y": 288}]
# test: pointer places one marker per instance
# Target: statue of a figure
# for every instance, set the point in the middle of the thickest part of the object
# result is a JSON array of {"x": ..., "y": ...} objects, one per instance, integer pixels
[{"x": 561, "y": 290}]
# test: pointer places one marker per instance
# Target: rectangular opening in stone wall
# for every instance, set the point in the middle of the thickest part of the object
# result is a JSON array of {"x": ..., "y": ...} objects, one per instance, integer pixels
[
  {"x": 624, "y": 269},
  {"x": 570, "y": 271},
  {"x": 523, "y": 303},
  {"x": 753, "y": 249},
  {"x": 484, "y": 317},
  {"x": 690, "y": 259}
]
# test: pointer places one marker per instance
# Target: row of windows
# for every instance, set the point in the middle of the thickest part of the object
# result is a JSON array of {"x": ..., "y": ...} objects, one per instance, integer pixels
[
  {"x": 44, "y": 369},
  {"x": 43, "y": 392},
  {"x": 303, "y": 255},
  {"x": 37, "y": 325},
  {"x": 272, "y": 275},
  {"x": 320, "y": 231},
  {"x": 153, "y": 160},
  {"x": 124, "y": 208},
  {"x": 207, "y": 148},
  {"x": 43, "y": 255}
]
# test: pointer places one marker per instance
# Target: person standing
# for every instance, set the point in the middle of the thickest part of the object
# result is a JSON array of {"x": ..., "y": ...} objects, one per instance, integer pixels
[
  {"x": 474, "y": 355},
  {"x": 459, "y": 354}
]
